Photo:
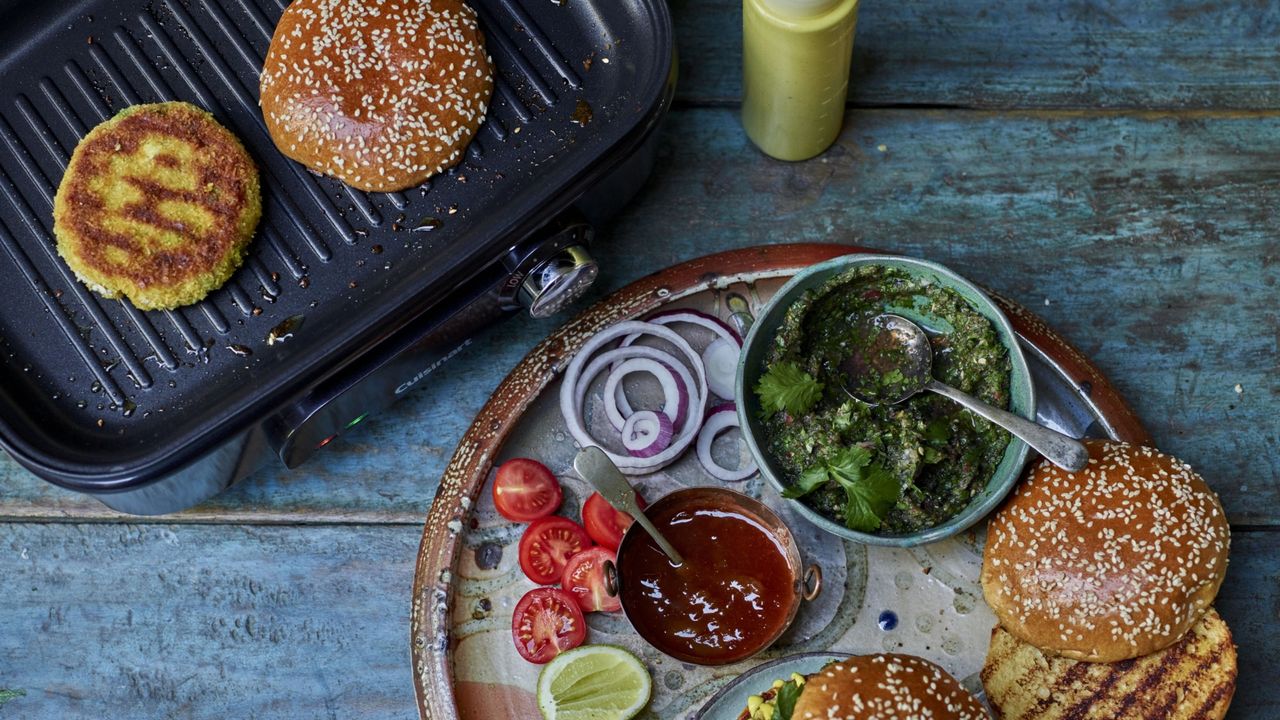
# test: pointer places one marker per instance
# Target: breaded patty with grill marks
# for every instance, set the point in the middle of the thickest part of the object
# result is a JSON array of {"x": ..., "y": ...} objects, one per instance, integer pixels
[
  {"x": 157, "y": 205},
  {"x": 1193, "y": 679}
]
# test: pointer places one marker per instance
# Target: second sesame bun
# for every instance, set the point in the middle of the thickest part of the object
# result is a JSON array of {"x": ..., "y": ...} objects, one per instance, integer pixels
[
  {"x": 381, "y": 94},
  {"x": 1113, "y": 562},
  {"x": 887, "y": 686}
]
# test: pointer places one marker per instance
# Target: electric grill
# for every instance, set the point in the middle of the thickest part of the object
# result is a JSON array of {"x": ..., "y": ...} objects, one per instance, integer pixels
[{"x": 347, "y": 299}]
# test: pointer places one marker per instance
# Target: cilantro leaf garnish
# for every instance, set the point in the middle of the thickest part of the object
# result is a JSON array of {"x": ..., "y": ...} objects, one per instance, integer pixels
[
  {"x": 787, "y": 388},
  {"x": 810, "y": 480},
  {"x": 850, "y": 460},
  {"x": 870, "y": 490},
  {"x": 844, "y": 417},
  {"x": 785, "y": 702}
]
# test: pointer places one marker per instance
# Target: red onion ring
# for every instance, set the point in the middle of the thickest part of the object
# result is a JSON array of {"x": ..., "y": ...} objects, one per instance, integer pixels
[
  {"x": 720, "y": 360},
  {"x": 664, "y": 317},
  {"x": 721, "y": 418},
  {"x": 693, "y": 317},
  {"x": 722, "y": 329},
  {"x": 673, "y": 377},
  {"x": 647, "y": 433},
  {"x": 577, "y": 379}
]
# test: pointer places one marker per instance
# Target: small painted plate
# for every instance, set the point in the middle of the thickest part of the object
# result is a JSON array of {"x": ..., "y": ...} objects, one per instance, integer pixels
[{"x": 729, "y": 703}]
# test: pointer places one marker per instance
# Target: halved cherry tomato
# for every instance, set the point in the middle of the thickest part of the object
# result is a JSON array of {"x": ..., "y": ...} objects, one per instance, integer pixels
[
  {"x": 525, "y": 490},
  {"x": 584, "y": 579},
  {"x": 546, "y": 622},
  {"x": 547, "y": 545},
  {"x": 605, "y": 524}
]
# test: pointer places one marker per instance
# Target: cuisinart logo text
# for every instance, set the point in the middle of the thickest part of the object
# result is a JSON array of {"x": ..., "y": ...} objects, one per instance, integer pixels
[{"x": 404, "y": 386}]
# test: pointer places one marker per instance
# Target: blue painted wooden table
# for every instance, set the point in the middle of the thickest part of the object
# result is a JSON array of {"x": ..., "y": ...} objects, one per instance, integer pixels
[{"x": 1111, "y": 164}]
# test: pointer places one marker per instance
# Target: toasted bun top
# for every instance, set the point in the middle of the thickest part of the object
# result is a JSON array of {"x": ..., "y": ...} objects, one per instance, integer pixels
[
  {"x": 1193, "y": 679},
  {"x": 378, "y": 93},
  {"x": 1113, "y": 562},
  {"x": 887, "y": 686}
]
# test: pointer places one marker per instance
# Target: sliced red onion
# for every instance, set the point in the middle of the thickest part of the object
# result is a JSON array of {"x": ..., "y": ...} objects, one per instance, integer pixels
[
  {"x": 725, "y": 331},
  {"x": 721, "y": 362},
  {"x": 721, "y": 418},
  {"x": 673, "y": 377},
  {"x": 693, "y": 317},
  {"x": 647, "y": 433},
  {"x": 579, "y": 374},
  {"x": 664, "y": 317}
]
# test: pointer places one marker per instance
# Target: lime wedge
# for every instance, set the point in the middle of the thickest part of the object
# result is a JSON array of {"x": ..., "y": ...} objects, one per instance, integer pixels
[{"x": 593, "y": 682}]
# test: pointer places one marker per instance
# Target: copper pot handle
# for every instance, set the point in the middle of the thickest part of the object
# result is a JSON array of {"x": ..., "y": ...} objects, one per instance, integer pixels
[
  {"x": 611, "y": 578},
  {"x": 811, "y": 583}
]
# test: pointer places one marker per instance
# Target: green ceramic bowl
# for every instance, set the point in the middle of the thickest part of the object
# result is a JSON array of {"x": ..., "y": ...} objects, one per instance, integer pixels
[{"x": 1022, "y": 391}]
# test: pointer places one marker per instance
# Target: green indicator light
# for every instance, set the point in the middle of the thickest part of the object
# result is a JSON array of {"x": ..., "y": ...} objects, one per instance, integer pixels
[{"x": 357, "y": 421}]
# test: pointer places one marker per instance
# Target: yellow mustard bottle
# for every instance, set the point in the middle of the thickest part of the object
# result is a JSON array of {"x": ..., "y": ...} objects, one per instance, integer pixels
[{"x": 795, "y": 70}]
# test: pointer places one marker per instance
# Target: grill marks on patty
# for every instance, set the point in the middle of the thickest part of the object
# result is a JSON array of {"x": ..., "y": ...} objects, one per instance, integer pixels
[
  {"x": 157, "y": 204},
  {"x": 1192, "y": 680},
  {"x": 92, "y": 217}
]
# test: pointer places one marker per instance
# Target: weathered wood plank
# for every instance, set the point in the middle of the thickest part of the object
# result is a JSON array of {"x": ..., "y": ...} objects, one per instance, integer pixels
[
  {"x": 1150, "y": 236},
  {"x": 1012, "y": 53},
  {"x": 181, "y": 621},
  {"x": 115, "y": 621}
]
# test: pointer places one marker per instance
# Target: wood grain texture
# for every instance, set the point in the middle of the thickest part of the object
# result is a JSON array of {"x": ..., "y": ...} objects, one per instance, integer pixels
[
  {"x": 125, "y": 621},
  {"x": 1013, "y": 53},
  {"x": 1150, "y": 236},
  {"x": 179, "y": 621}
]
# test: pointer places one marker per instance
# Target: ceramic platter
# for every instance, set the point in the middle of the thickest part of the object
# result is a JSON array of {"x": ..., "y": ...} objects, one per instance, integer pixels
[{"x": 924, "y": 601}]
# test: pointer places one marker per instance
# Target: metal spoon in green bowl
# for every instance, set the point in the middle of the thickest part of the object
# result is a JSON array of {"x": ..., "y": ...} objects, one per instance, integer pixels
[{"x": 896, "y": 362}]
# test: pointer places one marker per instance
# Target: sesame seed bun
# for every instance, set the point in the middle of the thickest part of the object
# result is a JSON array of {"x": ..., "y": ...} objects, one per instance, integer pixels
[
  {"x": 157, "y": 205},
  {"x": 1192, "y": 679},
  {"x": 1113, "y": 562},
  {"x": 381, "y": 94},
  {"x": 888, "y": 686}
]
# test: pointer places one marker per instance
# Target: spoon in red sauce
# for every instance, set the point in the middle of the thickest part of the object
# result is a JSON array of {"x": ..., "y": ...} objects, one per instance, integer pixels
[{"x": 596, "y": 468}]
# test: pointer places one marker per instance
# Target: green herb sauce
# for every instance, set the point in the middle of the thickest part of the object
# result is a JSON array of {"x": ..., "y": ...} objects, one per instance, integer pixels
[{"x": 940, "y": 454}]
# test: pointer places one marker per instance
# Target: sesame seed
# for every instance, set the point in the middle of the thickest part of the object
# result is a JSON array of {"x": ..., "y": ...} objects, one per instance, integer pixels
[
  {"x": 1116, "y": 552},
  {"x": 367, "y": 84}
]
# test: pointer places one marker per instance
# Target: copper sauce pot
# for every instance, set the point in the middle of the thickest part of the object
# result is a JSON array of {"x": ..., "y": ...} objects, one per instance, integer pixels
[{"x": 637, "y": 556}]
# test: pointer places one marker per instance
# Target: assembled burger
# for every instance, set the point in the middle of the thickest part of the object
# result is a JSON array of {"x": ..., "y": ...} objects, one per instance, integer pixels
[{"x": 886, "y": 686}]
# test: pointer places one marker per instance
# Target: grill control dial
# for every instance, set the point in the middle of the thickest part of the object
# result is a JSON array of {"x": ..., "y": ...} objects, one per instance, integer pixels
[
  {"x": 558, "y": 281},
  {"x": 551, "y": 270}
]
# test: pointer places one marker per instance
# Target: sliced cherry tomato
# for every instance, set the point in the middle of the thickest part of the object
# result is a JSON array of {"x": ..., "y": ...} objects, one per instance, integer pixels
[
  {"x": 546, "y": 622},
  {"x": 526, "y": 490},
  {"x": 584, "y": 579},
  {"x": 605, "y": 524},
  {"x": 547, "y": 545}
]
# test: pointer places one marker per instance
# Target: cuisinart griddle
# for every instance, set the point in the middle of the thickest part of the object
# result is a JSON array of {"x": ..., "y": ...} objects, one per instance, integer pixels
[{"x": 347, "y": 299}]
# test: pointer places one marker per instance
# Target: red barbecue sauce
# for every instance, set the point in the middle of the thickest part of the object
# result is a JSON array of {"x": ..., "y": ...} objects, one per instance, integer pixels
[{"x": 728, "y": 600}]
